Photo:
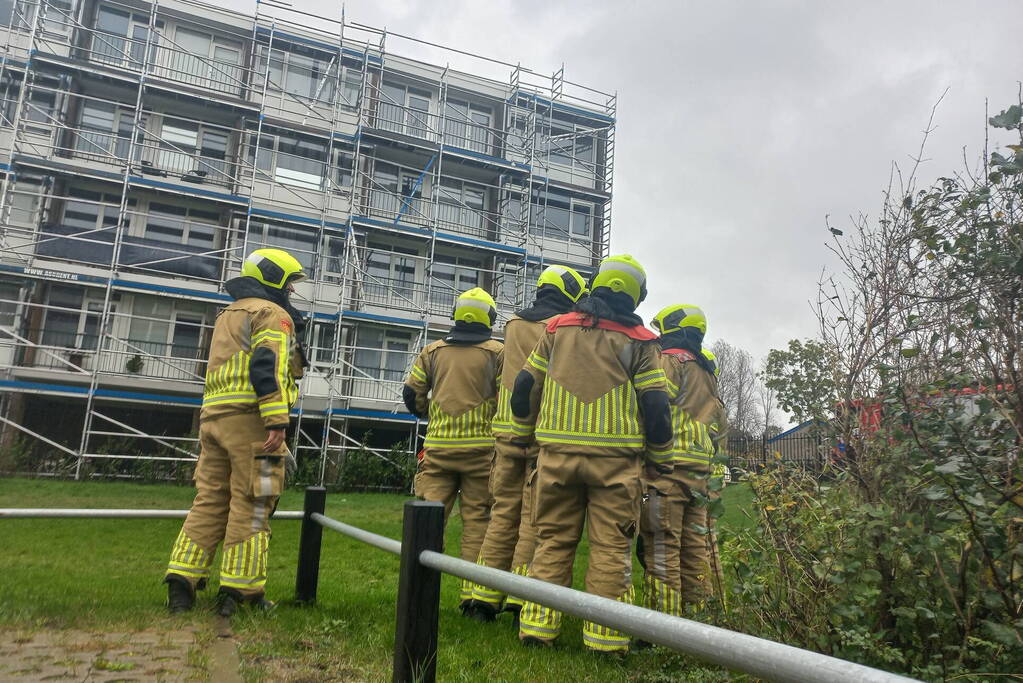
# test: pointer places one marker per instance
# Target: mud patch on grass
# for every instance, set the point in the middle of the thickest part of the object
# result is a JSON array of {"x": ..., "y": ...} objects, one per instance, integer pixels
[{"x": 65, "y": 655}]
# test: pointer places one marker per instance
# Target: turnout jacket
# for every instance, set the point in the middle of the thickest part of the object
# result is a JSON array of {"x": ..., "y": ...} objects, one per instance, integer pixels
[
  {"x": 456, "y": 386},
  {"x": 598, "y": 390},
  {"x": 254, "y": 363},
  {"x": 520, "y": 337},
  {"x": 697, "y": 414}
]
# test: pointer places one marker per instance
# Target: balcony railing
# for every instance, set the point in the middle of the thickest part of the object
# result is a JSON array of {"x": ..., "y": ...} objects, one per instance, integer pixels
[
  {"x": 156, "y": 360},
  {"x": 390, "y": 292},
  {"x": 390, "y": 206},
  {"x": 169, "y": 62}
]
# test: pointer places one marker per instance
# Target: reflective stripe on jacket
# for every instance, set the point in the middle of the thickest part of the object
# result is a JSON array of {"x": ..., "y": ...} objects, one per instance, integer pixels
[
  {"x": 588, "y": 383},
  {"x": 695, "y": 409},
  {"x": 254, "y": 363},
  {"x": 520, "y": 337},
  {"x": 457, "y": 385}
]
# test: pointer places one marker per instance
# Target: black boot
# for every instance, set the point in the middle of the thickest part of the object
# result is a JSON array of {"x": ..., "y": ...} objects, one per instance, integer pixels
[
  {"x": 228, "y": 602},
  {"x": 482, "y": 612},
  {"x": 513, "y": 609},
  {"x": 180, "y": 595}
]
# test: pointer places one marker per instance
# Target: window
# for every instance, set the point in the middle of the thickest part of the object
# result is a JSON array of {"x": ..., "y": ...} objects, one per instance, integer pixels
[
  {"x": 150, "y": 324},
  {"x": 10, "y": 295},
  {"x": 452, "y": 275},
  {"x": 383, "y": 353},
  {"x": 403, "y": 110},
  {"x": 462, "y": 205},
  {"x": 293, "y": 160},
  {"x": 104, "y": 131},
  {"x": 351, "y": 87},
  {"x": 187, "y": 336},
  {"x": 390, "y": 275},
  {"x": 205, "y": 60},
  {"x": 72, "y": 319},
  {"x": 25, "y": 201},
  {"x": 303, "y": 73},
  {"x": 323, "y": 346},
  {"x": 467, "y": 126},
  {"x": 182, "y": 225},
  {"x": 39, "y": 109},
  {"x": 397, "y": 192},
  {"x": 571, "y": 149},
  {"x": 562, "y": 218},
  {"x": 85, "y": 210},
  {"x": 195, "y": 152},
  {"x": 159, "y": 326},
  {"x": 120, "y": 37},
  {"x": 345, "y": 165}
]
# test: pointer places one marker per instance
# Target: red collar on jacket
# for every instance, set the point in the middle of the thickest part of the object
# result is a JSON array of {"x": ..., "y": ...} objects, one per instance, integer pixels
[
  {"x": 637, "y": 332},
  {"x": 682, "y": 354}
]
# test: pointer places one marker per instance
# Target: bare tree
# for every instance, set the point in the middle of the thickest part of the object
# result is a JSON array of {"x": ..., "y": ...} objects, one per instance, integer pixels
[{"x": 739, "y": 388}]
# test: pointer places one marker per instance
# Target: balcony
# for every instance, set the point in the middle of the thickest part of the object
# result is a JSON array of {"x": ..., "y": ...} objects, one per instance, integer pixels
[
  {"x": 80, "y": 353},
  {"x": 390, "y": 293},
  {"x": 219, "y": 70}
]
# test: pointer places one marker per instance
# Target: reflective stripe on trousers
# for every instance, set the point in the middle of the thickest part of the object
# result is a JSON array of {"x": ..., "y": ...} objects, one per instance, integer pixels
[
  {"x": 243, "y": 566},
  {"x": 188, "y": 559}
]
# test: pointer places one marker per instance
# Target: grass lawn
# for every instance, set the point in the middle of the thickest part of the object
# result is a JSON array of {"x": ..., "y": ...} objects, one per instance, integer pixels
[{"x": 106, "y": 575}]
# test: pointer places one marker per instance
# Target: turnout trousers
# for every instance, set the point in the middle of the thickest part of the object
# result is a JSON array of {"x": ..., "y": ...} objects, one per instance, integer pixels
[
  {"x": 602, "y": 492},
  {"x": 675, "y": 543},
  {"x": 445, "y": 475},
  {"x": 238, "y": 488},
  {"x": 510, "y": 538}
]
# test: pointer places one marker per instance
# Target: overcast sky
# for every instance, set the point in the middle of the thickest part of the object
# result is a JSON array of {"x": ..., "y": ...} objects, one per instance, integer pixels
[{"x": 742, "y": 124}]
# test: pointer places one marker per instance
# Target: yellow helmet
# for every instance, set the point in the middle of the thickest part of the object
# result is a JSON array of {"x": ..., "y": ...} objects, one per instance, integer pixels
[
  {"x": 273, "y": 267},
  {"x": 475, "y": 306},
  {"x": 622, "y": 273},
  {"x": 709, "y": 355},
  {"x": 674, "y": 318},
  {"x": 569, "y": 282}
]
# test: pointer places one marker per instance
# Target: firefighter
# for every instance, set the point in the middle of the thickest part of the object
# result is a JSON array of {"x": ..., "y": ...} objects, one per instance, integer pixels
[
  {"x": 673, "y": 525},
  {"x": 593, "y": 396},
  {"x": 510, "y": 539},
  {"x": 251, "y": 383},
  {"x": 454, "y": 382}
]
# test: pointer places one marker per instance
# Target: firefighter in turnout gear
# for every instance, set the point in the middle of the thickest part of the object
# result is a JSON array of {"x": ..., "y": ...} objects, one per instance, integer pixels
[
  {"x": 674, "y": 543},
  {"x": 454, "y": 383},
  {"x": 593, "y": 395},
  {"x": 510, "y": 537},
  {"x": 254, "y": 363}
]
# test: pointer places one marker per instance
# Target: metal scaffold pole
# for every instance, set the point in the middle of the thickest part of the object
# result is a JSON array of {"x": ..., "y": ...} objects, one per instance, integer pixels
[{"x": 122, "y": 222}]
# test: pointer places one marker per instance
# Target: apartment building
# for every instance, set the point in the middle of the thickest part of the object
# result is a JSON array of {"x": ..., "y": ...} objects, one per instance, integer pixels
[{"x": 147, "y": 147}]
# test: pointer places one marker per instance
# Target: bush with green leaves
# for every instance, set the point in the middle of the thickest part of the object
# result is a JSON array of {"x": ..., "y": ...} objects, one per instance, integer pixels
[
  {"x": 911, "y": 557},
  {"x": 369, "y": 470}
]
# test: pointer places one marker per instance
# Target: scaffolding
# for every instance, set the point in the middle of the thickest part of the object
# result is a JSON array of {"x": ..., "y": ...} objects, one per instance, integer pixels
[{"x": 147, "y": 146}]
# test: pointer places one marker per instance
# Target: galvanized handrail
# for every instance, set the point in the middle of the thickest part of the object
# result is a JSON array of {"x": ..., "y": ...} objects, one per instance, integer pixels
[
  {"x": 423, "y": 561},
  {"x": 733, "y": 650},
  {"x": 388, "y": 545}
]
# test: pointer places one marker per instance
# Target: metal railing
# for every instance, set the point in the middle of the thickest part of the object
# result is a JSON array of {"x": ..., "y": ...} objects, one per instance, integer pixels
[{"x": 418, "y": 605}]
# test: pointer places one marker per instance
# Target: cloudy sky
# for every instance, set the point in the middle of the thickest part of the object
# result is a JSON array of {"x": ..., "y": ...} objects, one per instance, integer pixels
[{"x": 742, "y": 124}]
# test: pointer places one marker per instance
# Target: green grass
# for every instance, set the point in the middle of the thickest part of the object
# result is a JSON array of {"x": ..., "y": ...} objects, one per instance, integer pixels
[{"x": 106, "y": 574}]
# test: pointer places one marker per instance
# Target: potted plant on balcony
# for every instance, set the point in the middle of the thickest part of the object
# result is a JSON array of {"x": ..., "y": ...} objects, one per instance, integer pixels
[{"x": 134, "y": 364}]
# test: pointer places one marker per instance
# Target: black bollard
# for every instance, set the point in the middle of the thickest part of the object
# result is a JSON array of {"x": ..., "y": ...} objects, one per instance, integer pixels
[
  {"x": 415, "y": 637},
  {"x": 308, "y": 575}
]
